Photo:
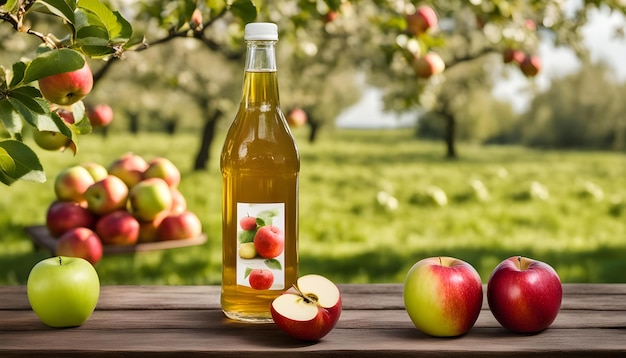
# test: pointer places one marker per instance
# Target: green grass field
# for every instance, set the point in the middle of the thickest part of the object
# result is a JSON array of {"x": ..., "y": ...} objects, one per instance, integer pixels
[{"x": 371, "y": 205}]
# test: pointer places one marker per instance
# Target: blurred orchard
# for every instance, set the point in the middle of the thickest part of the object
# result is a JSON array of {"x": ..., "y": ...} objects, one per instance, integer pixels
[{"x": 175, "y": 66}]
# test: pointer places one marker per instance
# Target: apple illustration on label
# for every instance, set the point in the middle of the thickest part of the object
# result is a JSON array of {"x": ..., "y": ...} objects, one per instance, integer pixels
[
  {"x": 443, "y": 296},
  {"x": 524, "y": 294},
  {"x": 309, "y": 310},
  {"x": 269, "y": 241},
  {"x": 68, "y": 87},
  {"x": 261, "y": 279},
  {"x": 63, "y": 291},
  {"x": 80, "y": 242},
  {"x": 248, "y": 223},
  {"x": 247, "y": 250}
]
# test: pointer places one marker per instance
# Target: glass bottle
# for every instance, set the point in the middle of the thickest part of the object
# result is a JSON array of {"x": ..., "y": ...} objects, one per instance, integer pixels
[{"x": 260, "y": 166}]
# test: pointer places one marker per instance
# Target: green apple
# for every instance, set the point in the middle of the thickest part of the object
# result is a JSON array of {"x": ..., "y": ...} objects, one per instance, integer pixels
[
  {"x": 443, "y": 296},
  {"x": 63, "y": 291},
  {"x": 50, "y": 140},
  {"x": 150, "y": 198}
]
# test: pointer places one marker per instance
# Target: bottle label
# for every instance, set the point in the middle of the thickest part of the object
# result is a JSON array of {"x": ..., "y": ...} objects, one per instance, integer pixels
[{"x": 261, "y": 245}]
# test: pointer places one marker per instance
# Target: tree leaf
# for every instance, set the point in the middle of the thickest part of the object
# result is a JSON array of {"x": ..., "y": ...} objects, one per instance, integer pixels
[
  {"x": 18, "y": 161},
  {"x": 61, "y": 8},
  {"x": 53, "y": 62},
  {"x": 244, "y": 9},
  {"x": 118, "y": 29},
  {"x": 31, "y": 98},
  {"x": 273, "y": 264},
  {"x": 9, "y": 118},
  {"x": 18, "y": 73}
]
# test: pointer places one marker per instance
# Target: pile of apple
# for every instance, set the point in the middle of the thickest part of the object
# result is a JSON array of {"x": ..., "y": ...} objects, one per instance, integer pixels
[{"x": 131, "y": 201}]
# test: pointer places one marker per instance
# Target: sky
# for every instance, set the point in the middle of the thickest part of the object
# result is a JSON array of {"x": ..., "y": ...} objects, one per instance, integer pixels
[{"x": 557, "y": 62}]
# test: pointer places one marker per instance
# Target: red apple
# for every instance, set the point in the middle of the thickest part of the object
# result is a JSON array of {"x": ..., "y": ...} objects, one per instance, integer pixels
[
  {"x": 181, "y": 226},
  {"x": 261, "y": 279},
  {"x": 71, "y": 183},
  {"x": 148, "y": 230},
  {"x": 428, "y": 65},
  {"x": 269, "y": 241},
  {"x": 296, "y": 117},
  {"x": 68, "y": 87},
  {"x": 129, "y": 167},
  {"x": 118, "y": 228},
  {"x": 309, "y": 310},
  {"x": 179, "y": 203},
  {"x": 107, "y": 195},
  {"x": 163, "y": 168},
  {"x": 330, "y": 16},
  {"x": 524, "y": 295},
  {"x": 101, "y": 115},
  {"x": 97, "y": 170},
  {"x": 248, "y": 223},
  {"x": 423, "y": 19},
  {"x": 80, "y": 242},
  {"x": 531, "y": 65},
  {"x": 50, "y": 140},
  {"x": 513, "y": 55},
  {"x": 443, "y": 296},
  {"x": 150, "y": 198},
  {"x": 62, "y": 216},
  {"x": 67, "y": 116}
]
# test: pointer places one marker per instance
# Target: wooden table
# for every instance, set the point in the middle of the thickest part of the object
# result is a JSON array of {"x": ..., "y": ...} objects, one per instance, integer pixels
[{"x": 186, "y": 321}]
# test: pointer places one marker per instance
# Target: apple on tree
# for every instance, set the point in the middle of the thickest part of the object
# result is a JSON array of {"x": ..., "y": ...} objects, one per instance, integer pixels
[
  {"x": 80, "y": 242},
  {"x": 269, "y": 241},
  {"x": 63, "y": 291},
  {"x": 71, "y": 183},
  {"x": 68, "y": 87},
  {"x": 309, "y": 310},
  {"x": 50, "y": 140},
  {"x": 421, "y": 20},
  {"x": 443, "y": 296},
  {"x": 296, "y": 117},
  {"x": 100, "y": 115},
  {"x": 524, "y": 294},
  {"x": 428, "y": 65},
  {"x": 62, "y": 216},
  {"x": 531, "y": 65},
  {"x": 118, "y": 228},
  {"x": 107, "y": 195},
  {"x": 513, "y": 55}
]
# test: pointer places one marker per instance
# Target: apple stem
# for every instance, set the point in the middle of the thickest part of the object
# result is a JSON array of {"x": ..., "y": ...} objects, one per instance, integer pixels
[
  {"x": 519, "y": 261},
  {"x": 60, "y": 264},
  {"x": 440, "y": 261}
]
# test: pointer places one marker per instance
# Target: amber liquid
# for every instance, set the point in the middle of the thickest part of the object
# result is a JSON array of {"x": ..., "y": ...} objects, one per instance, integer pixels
[{"x": 260, "y": 164}]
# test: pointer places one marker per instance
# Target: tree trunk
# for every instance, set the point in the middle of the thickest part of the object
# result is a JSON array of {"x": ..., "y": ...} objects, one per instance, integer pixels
[
  {"x": 450, "y": 134},
  {"x": 314, "y": 125},
  {"x": 208, "y": 133}
]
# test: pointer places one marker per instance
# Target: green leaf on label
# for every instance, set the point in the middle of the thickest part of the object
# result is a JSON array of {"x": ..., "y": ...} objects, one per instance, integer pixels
[
  {"x": 51, "y": 63},
  {"x": 273, "y": 264},
  {"x": 18, "y": 161},
  {"x": 247, "y": 273},
  {"x": 264, "y": 217},
  {"x": 246, "y": 236}
]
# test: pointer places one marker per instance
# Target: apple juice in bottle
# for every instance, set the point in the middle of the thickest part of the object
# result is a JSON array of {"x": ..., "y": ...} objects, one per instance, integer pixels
[{"x": 260, "y": 165}]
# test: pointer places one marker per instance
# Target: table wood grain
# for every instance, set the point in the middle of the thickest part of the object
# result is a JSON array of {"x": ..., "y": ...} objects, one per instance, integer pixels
[{"x": 187, "y": 321}]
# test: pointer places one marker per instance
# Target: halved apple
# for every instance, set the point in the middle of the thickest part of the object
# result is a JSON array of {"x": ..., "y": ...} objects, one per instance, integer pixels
[{"x": 308, "y": 310}]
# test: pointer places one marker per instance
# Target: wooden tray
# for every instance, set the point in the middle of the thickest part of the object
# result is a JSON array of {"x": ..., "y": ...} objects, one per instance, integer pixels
[{"x": 41, "y": 238}]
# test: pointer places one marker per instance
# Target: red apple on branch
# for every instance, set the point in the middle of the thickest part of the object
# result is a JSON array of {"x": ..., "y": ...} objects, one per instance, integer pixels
[
  {"x": 428, "y": 65},
  {"x": 524, "y": 295},
  {"x": 80, "y": 242},
  {"x": 423, "y": 19},
  {"x": 68, "y": 87},
  {"x": 531, "y": 65},
  {"x": 513, "y": 55},
  {"x": 309, "y": 310},
  {"x": 101, "y": 115},
  {"x": 443, "y": 296}
]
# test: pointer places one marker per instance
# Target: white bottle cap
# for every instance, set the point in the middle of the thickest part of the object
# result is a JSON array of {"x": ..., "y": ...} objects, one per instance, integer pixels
[{"x": 261, "y": 31}]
